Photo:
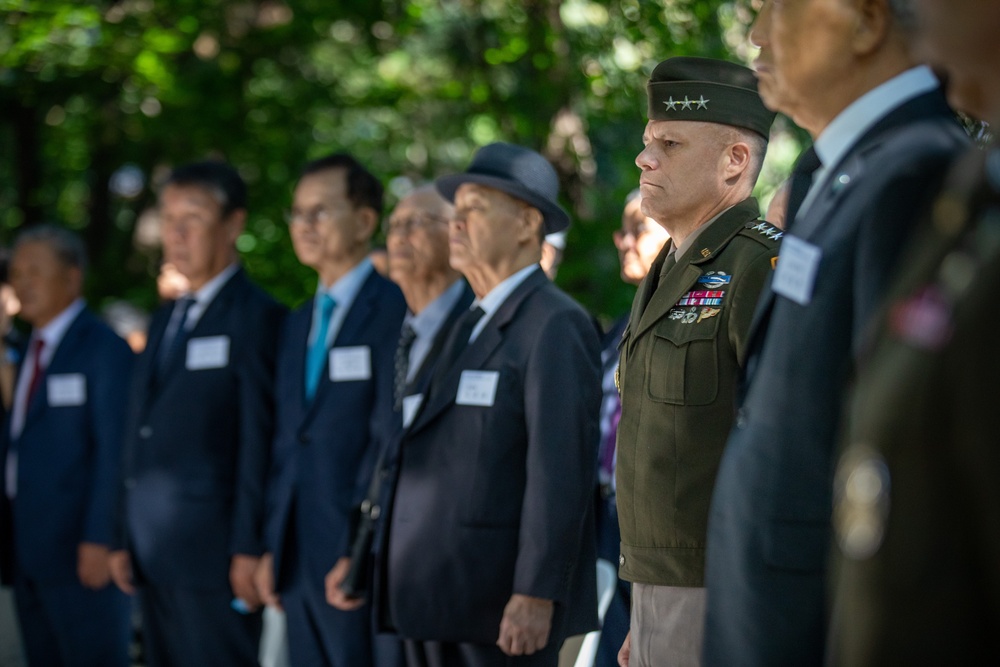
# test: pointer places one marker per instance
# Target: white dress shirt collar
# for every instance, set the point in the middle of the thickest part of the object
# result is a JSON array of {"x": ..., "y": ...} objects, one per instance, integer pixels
[
  {"x": 851, "y": 124},
  {"x": 204, "y": 296},
  {"x": 427, "y": 323},
  {"x": 53, "y": 332},
  {"x": 343, "y": 292},
  {"x": 498, "y": 295}
]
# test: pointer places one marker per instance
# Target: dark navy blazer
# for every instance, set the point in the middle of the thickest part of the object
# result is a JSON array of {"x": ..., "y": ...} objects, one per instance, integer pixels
[
  {"x": 197, "y": 443},
  {"x": 769, "y": 526},
  {"x": 325, "y": 450},
  {"x": 495, "y": 500},
  {"x": 69, "y": 454}
]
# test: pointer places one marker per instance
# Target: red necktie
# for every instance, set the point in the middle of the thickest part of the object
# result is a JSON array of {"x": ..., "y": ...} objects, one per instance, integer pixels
[{"x": 36, "y": 370}]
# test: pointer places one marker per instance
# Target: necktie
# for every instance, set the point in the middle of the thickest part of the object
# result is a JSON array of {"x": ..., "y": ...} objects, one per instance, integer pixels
[
  {"x": 457, "y": 342},
  {"x": 406, "y": 338},
  {"x": 802, "y": 176},
  {"x": 176, "y": 333},
  {"x": 36, "y": 370},
  {"x": 316, "y": 356},
  {"x": 668, "y": 263}
]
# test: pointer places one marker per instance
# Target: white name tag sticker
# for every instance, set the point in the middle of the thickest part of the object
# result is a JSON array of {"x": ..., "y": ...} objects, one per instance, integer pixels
[
  {"x": 350, "y": 363},
  {"x": 410, "y": 406},
  {"x": 477, "y": 388},
  {"x": 207, "y": 352},
  {"x": 67, "y": 390},
  {"x": 795, "y": 275}
]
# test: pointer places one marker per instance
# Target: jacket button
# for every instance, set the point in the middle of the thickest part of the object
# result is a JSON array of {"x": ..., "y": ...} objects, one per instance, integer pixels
[
  {"x": 376, "y": 512},
  {"x": 304, "y": 438},
  {"x": 621, "y": 559},
  {"x": 741, "y": 418},
  {"x": 146, "y": 432}
]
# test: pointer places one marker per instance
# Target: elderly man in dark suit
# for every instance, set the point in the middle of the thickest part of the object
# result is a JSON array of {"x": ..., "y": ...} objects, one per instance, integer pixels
[
  {"x": 917, "y": 504},
  {"x": 436, "y": 296},
  {"x": 197, "y": 436},
  {"x": 883, "y": 136},
  {"x": 490, "y": 547},
  {"x": 334, "y": 394},
  {"x": 62, "y": 452}
]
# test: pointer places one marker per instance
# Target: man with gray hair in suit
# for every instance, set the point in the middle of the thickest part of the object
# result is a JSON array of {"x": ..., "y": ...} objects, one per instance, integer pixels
[{"x": 489, "y": 558}]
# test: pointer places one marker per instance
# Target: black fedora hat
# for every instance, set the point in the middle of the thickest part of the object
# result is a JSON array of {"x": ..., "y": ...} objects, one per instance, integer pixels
[{"x": 520, "y": 172}]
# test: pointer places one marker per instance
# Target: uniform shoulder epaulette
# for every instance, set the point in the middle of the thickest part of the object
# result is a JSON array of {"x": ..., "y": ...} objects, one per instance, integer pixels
[{"x": 763, "y": 231}]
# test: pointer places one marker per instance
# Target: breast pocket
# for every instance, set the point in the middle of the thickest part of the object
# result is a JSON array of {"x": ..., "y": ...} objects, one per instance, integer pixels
[{"x": 682, "y": 365}]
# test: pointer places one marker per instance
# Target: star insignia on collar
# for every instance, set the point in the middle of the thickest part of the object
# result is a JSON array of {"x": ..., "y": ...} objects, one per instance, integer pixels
[
  {"x": 702, "y": 102},
  {"x": 671, "y": 104},
  {"x": 686, "y": 104}
]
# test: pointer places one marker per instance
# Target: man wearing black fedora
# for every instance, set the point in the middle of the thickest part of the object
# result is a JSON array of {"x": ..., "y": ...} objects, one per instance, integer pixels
[{"x": 488, "y": 552}]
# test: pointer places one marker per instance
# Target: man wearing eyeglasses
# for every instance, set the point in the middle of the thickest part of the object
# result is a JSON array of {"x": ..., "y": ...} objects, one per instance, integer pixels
[
  {"x": 417, "y": 242},
  {"x": 334, "y": 399}
]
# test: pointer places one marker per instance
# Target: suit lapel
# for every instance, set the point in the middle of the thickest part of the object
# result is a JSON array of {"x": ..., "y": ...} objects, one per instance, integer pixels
[
  {"x": 66, "y": 349},
  {"x": 212, "y": 319},
  {"x": 351, "y": 332},
  {"x": 646, "y": 289},
  {"x": 423, "y": 374},
  {"x": 299, "y": 325},
  {"x": 442, "y": 394}
]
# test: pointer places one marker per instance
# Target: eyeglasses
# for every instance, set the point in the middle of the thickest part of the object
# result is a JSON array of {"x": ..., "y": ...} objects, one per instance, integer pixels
[
  {"x": 622, "y": 235},
  {"x": 411, "y": 223},
  {"x": 310, "y": 218}
]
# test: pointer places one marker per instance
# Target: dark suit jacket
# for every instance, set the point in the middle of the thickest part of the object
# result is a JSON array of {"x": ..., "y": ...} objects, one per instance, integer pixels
[
  {"x": 924, "y": 587},
  {"x": 324, "y": 451},
  {"x": 197, "y": 443},
  {"x": 497, "y": 500},
  {"x": 368, "y": 540},
  {"x": 769, "y": 527},
  {"x": 69, "y": 454}
]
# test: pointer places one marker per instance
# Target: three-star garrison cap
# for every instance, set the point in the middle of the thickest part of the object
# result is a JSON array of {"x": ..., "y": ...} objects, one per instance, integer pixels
[{"x": 709, "y": 90}]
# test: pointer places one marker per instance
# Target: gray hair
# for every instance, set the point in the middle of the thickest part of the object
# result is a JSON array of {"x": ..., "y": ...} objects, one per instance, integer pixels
[{"x": 66, "y": 245}]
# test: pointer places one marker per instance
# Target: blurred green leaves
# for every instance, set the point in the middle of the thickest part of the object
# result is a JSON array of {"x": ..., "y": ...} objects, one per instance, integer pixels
[{"x": 411, "y": 88}]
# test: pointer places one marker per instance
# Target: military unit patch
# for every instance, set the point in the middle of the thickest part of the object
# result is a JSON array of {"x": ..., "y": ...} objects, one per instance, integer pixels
[
  {"x": 715, "y": 279},
  {"x": 766, "y": 229}
]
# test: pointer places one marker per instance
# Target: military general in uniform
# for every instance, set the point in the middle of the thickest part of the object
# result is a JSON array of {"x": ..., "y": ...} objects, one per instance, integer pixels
[{"x": 685, "y": 342}]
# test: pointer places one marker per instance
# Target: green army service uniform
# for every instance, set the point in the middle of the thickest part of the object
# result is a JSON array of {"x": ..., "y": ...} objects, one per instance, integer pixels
[
  {"x": 917, "y": 490},
  {"x": 681, "y": 355}
]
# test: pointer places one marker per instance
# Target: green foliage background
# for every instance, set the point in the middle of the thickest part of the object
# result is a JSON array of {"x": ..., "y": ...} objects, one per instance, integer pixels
[{"x": 411, "y": 88}]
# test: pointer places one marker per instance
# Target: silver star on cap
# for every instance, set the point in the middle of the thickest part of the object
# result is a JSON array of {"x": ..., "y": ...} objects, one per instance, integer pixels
[
  {"x": 671, "y": 104},
  {"x": 686, "y": 104},
  {"x": 702, "y": 102}
]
